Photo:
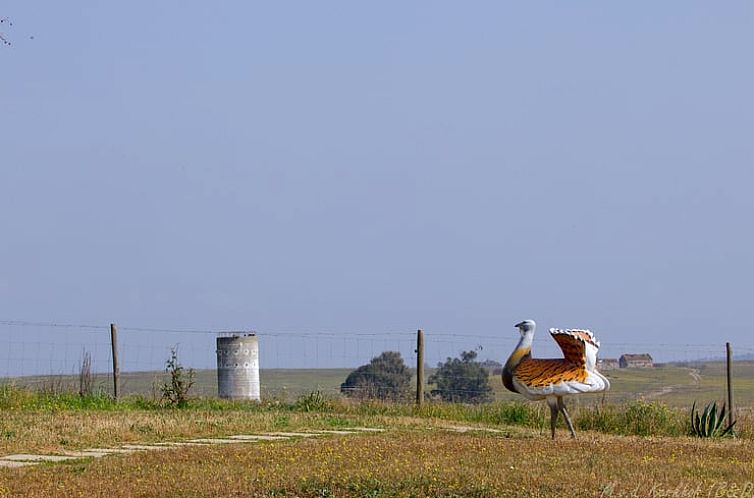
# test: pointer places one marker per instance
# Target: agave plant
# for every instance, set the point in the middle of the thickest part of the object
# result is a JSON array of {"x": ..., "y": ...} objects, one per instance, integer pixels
[{"x": 710, "y": 423}]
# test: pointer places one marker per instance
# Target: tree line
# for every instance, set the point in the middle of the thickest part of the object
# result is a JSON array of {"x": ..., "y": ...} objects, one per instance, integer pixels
[{"x": 387, "y": 377}]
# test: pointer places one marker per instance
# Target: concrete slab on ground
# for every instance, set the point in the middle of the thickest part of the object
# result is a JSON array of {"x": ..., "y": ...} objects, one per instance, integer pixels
[
  {"x": 13, "y": 464},
  {"x": 210, "y": 440},
  {"x": 179, "y": 443},
  {"x": 144, "y": 447},
  {"x": 109, "y": 450},
  {"x": 84, "y": 454},
  {"x": 257, "y": 437},
  {"x": 293, "y": 434},
  {"x": 338, "y": 432},
  {"x": 23, "y": 457}
]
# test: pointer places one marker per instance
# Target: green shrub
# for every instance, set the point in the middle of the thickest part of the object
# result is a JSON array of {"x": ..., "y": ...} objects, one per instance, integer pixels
[
  {"x": 462, "y": 380},
  {"x": 176, "y": 393},
  {"x": 647, "y": 419},
  {"x": 385, "y": 377},
  {"x": 315, "y": 401}
]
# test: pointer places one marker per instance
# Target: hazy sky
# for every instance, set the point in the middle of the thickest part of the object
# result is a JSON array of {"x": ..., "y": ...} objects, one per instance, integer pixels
[{"x": 354, "y": 166}]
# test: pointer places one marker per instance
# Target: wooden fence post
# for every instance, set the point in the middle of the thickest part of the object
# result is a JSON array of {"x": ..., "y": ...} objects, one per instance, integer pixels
[
  {"x": 419, "y": 367},
  {"x": 729, "y": 361},
  {"x": 116, "y": 368}
]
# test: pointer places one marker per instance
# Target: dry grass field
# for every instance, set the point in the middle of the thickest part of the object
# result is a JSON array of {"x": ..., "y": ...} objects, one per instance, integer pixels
[
  {"x": 421, "y": 452},
  {"x": 414, "y": 459},
  {"x": 630, "y": 445}
]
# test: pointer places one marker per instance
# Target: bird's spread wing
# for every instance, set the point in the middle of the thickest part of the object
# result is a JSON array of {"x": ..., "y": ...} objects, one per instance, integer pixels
[
  {"x": 579, "y": 346},
  {"x": 537, "y": 379},
  {"x": 540, "y": 373}
]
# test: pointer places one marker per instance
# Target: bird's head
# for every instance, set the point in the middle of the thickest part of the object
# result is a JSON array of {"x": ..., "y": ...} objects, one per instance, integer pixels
[{"x": 526, "y": 326}]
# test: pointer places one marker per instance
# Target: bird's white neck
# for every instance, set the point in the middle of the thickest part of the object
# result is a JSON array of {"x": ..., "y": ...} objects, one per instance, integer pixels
[
  {"x": 522, "y": 349},
  {"x": 526, "y": 339}
]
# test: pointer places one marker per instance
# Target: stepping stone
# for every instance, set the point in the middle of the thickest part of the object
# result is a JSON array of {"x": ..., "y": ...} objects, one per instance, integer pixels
[
  {"x": 85, "y": 454},
  {"x": 179, "y": 443},
  {"x": 259, "y": 437},
  {"x": 13, "y": 464},
  {"x": 366, "y": 429},
  {"x": 143, "y": 447},
  {"x": 108, "y": 450},
  {"x": 38, "y": 458},
  {"x": 293, "y": 434},
  {"x": 219, "y": 441}
]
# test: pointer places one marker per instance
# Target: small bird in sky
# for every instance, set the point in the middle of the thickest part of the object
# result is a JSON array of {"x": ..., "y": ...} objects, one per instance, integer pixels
[{"x": 553, "y": 379}]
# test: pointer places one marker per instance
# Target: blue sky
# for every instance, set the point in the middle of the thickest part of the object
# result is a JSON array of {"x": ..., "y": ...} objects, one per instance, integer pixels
[{"x": 343, "y": 166}]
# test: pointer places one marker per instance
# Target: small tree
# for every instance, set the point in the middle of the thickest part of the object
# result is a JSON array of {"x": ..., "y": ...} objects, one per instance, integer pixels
[
  {"x": 462, "y": 380},
  {"x": 176, "y": 392},
  {"x": 385, "y": 377}
]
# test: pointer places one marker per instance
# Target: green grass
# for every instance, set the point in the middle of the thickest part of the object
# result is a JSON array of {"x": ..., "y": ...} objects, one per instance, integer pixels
[
  {"x": 638, "y": 418},
  {"x": 631, "y": 417}
]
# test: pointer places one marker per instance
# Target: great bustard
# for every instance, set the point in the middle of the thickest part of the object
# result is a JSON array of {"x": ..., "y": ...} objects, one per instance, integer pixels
[{"x": 552, "y": 379}]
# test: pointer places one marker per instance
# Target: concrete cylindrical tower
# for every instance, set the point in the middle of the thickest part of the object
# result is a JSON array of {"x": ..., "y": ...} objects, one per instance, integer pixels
[{"x": 238, "y": 367}]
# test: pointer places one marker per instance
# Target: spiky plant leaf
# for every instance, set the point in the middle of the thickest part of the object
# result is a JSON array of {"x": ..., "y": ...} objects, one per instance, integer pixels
[
  {"x": 694, "y": 420},
  {"x": 702, "y": 421},
  {"x": 722, "y": 416},
  {"x": 713, "y": 425},
  {"x": 710, "y": 422}
]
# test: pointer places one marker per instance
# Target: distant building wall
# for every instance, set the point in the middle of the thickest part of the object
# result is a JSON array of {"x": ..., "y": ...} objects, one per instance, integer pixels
[{"x": 636, "y": 361}]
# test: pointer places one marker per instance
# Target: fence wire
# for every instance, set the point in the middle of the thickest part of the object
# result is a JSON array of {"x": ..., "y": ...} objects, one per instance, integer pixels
[{"x": 50, "y": 356}]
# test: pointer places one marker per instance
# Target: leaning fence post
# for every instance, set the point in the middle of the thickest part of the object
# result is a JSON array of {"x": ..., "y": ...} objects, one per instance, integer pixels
[
  {"x": 729, "y": 360},
  {"x": 116, "y": 369},
  {"x": 419, "y": 367}
]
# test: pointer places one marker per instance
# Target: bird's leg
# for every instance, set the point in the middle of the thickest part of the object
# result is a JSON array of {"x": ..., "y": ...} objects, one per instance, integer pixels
[
  {"x": 553, "y": 404},
  {"x": 567, "y": 418}
]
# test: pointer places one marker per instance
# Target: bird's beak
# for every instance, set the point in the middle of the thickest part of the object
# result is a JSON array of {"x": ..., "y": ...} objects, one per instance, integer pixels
[{"x": 519, "y": 325}]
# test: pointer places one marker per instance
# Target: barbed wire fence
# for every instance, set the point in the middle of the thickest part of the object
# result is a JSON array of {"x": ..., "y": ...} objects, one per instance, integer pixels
[{"x": 49, "y": 356}]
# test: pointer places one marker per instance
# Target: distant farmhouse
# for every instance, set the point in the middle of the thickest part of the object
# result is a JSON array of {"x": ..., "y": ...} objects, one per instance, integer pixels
[
  {"x": 607, "y": 364},
  {"x": 643, "y": 360}
]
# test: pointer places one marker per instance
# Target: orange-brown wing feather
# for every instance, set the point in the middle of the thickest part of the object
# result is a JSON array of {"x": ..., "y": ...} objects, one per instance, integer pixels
[
  {"x": 573, "y": 344},
  {"x": 540, "y": 373}
]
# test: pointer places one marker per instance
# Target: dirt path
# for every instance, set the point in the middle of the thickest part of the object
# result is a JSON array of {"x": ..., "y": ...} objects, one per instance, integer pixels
[{"x": 696, "y": 379}]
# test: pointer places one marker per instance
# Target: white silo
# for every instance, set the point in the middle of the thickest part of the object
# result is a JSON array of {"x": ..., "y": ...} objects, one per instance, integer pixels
[{"x": 238, "y": 366}]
